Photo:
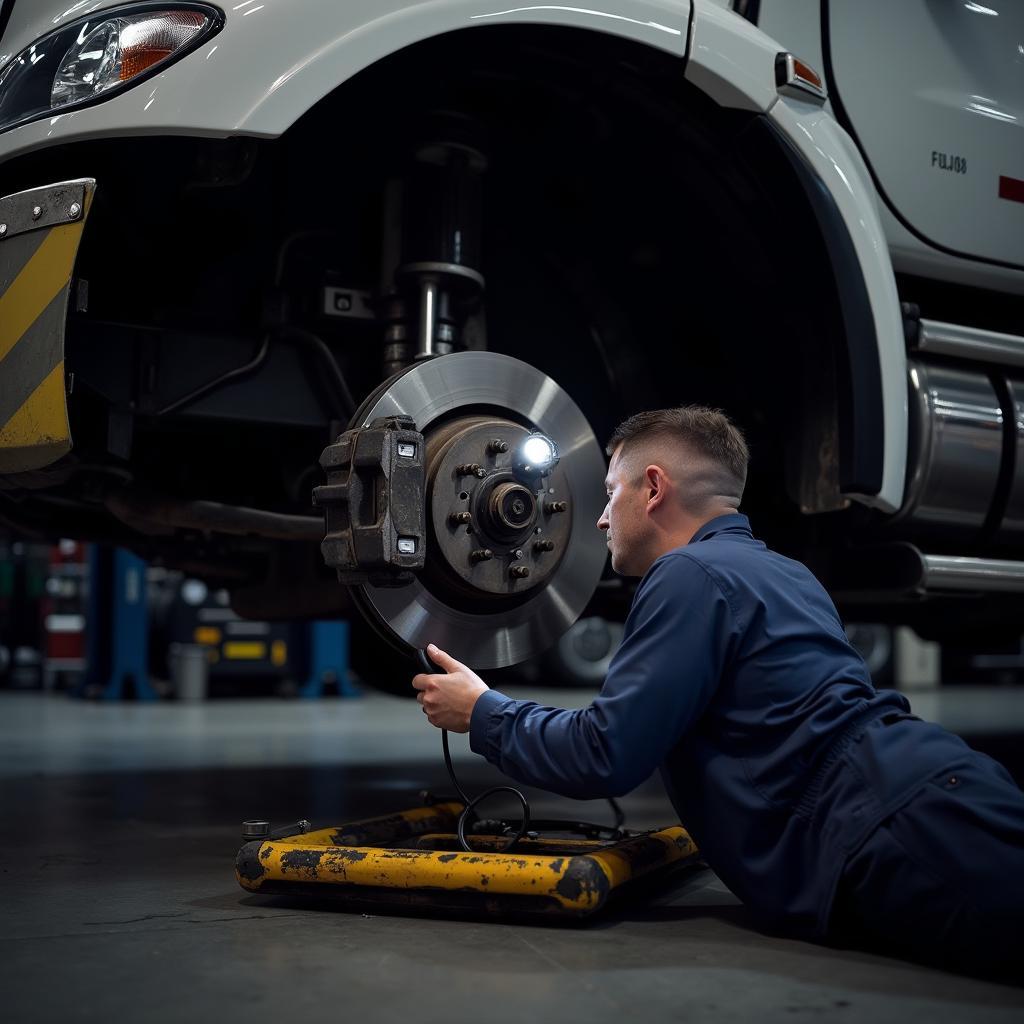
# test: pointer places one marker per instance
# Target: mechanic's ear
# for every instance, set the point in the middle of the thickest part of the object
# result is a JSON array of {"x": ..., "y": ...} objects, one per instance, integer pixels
[{"x": 656, "y": 482}]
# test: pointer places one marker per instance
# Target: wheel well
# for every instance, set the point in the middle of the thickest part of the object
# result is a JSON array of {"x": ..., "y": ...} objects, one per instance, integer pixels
[
  {"x": 626, "y": 213},
  {"x": 631, "y": 248}
]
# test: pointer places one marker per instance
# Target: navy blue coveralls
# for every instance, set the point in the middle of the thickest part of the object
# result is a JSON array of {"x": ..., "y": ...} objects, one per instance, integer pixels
[{"x": 795, "y": 777}]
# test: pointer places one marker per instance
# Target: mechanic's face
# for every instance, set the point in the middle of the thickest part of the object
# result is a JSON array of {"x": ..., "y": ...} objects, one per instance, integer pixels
[{"x": 623, "y": 518}]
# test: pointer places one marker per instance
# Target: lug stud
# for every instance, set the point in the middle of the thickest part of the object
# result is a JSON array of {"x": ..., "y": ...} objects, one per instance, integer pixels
[
  {"x": 555, "y": 506},
  {"x": 481, "y": 555},
  {"x": 460, "y": 518},
  {"x": 519, "y": 572},
  {"x": 497, "y": 446},
  {"x": 517, "y": 553},
  {"x": 471, "y": 469},
  {"x": 543, "y": 545}
]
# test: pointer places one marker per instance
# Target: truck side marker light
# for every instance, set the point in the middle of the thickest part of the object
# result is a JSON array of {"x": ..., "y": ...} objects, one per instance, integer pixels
[{"x": 794, "y": 77}]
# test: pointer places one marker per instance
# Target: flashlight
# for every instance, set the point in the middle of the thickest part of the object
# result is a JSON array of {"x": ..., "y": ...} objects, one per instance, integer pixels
[{"x": 538, "y": 455}]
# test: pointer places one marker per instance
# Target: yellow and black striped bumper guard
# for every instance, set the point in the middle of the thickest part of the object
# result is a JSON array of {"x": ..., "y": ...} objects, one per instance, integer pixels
[
  {"x": 39, "y": 235},
  {"x": 405, "y": 860}
]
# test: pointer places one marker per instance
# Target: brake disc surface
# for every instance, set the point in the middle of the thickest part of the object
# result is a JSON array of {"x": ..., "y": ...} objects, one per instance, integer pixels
[{"x": 484, "y": 630}]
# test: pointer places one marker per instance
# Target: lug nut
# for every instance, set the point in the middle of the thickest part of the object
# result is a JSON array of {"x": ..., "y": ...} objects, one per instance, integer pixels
[
  {"x": 460, "y": 518},
  {"x": 471, "y": 469},
  {"x": 481, "y": 555},
  {"x": 543, "y": 545},
  {"x": 497, "y": 446},
  {"x": 519, "y": 572},
  {"x": 556, "y": 506}
]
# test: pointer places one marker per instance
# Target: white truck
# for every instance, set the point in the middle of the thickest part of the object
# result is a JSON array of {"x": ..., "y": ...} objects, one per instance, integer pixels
[{"x": 403, "y": 238}]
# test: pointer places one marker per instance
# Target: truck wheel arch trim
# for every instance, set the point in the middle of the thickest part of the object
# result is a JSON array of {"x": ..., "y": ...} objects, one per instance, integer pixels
[
  {"x": 734, "y": 62},
  {"x": 731, "y": 60},
  {"x": 657, "y": 24},
  {"x": 861, "y": 431},
  {"x": 839, "y": 190},
  {"x": 219, "y": 90}
]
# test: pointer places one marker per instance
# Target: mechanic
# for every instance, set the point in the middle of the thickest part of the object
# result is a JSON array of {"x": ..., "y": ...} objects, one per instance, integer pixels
[{"x": 829, "y": 809}]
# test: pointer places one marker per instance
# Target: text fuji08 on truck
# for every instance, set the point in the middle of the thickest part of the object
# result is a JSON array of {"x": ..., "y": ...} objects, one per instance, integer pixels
[{"x": 334, "y": 305}]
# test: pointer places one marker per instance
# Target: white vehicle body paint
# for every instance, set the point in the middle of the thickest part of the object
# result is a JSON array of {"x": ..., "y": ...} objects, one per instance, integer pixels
[
  {"x": 274, "y": 59},
  {"x": 736, "y": 67},
  {"x": 731, "y": 60},
  {"x": 954, "y": 114},
  {"x": 942, "y": 79},
  {"x": 834, "y": 157}
]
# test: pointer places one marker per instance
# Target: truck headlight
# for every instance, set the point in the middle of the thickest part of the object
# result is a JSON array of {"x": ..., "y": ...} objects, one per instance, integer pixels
[{"x": 94, "y": 57}]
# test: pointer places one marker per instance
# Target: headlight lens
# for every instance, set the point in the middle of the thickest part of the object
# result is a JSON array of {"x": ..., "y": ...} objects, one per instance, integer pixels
[
  {"x": 89, "y": 59},
  {"x": 119, "y": 50},
  {"x": 89, "y": 67}
]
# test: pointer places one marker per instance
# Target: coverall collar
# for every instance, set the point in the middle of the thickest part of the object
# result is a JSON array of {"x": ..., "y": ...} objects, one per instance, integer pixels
[{"x": 733, "y": 521}]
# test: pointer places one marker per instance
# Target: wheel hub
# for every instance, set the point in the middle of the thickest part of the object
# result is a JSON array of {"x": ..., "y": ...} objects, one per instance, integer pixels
[{"x": 498, "y": 532}]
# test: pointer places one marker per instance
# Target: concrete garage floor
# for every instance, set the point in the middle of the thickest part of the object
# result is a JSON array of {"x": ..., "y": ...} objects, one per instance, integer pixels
[{"x": 118, "y": 896}]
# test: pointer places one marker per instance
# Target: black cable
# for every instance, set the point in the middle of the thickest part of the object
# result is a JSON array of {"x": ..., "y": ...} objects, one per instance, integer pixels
[
  {"x": 620, "y": 817},
  {"x": 204, "y": 389},
  {"x": 313, "y": 344},
  {"x": 430, "y": 668},
  {"x": 318, "y": 348},
  {"x": 554, "y": 825}
]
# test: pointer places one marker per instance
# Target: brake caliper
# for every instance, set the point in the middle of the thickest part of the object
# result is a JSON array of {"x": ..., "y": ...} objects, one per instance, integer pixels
[{"x": 373, "y": 503}]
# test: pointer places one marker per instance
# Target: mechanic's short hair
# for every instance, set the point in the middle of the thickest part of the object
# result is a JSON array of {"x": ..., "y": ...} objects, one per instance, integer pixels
[{"x": 719, "y": 445}]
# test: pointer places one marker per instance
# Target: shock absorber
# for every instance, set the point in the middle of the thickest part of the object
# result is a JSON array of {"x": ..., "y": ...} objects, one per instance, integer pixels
[{"x": 436, "y": 280}]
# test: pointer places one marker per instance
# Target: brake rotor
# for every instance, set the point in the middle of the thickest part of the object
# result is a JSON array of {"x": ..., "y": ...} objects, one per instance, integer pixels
[{"x": 511, "y": 563}]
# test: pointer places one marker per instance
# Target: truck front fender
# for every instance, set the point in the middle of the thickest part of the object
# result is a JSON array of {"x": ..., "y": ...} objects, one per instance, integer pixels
[
  {"x": 734, "y": 63},
  {"x": 274, "y": 59}
]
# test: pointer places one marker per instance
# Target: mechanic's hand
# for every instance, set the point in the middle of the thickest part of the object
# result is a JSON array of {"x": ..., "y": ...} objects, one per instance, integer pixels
[{"x": 447, "y": 700}]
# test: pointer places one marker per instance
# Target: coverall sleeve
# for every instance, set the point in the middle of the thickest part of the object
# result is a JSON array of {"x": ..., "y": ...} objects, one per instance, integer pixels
[{"x": 677, "y": 640}]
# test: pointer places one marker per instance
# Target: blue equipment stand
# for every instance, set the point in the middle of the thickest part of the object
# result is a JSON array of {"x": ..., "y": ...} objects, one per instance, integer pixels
[
  {"x": 328, "y": 659},
  {"x": 117, "y": 648}
]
